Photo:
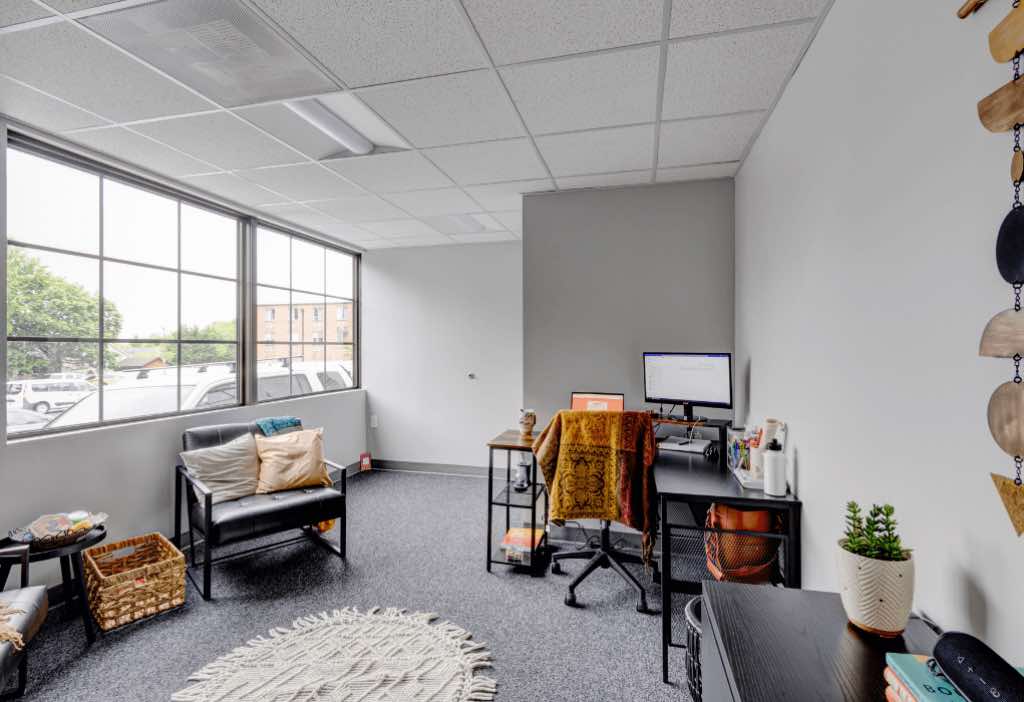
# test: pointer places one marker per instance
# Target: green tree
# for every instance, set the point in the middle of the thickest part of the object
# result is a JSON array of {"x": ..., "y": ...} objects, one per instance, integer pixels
[
  {"x": 42, "y": 304},
  {"x": 203, "y": 353}
]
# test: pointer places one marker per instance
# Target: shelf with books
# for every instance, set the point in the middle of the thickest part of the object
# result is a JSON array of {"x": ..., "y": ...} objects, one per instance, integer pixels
[{"x": 505, "y": 499}]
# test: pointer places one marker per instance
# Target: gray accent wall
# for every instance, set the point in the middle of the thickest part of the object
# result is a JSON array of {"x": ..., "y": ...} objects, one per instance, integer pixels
[{"x": 611, "y": 273}]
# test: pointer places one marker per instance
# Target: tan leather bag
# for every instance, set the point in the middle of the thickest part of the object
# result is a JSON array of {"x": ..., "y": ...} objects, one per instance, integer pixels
[{"x": 740, "y": 558}]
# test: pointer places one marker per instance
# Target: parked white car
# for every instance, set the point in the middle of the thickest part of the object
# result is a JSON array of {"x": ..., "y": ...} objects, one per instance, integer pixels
[
  {"x": 46, "y": 394},
  {"x": 22, "y": 420},
  {"x": 158, "y": 393}
]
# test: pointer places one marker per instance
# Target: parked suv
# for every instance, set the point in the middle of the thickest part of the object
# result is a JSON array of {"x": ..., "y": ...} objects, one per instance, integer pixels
[{"x": 46, "y": 394}]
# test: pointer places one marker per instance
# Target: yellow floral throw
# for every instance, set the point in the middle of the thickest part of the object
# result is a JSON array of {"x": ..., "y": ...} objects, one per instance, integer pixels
[
  {"x": 8, "y": 634},
  {"x": 600, "y": 465}
]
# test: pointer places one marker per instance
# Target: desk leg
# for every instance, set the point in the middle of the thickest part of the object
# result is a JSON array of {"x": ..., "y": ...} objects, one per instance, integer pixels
[
  {"x": 508, "y": 486},
  {"x": 76, "y": 562},
  {"x": 490, "y": 506},
  {"x": 535, "y": 569},
  {"x": 793, "y": 548},
  {"x": 666, "y": 589}
]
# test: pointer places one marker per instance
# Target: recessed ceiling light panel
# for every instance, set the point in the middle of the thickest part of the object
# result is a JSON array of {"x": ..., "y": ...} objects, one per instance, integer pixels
[{"x": 217, "y": 47}]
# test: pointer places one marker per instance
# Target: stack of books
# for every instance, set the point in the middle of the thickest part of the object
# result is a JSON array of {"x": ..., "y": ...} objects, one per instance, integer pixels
[
  {"x": 913, "y": 678},
  {"x": 516, "y": 543}
]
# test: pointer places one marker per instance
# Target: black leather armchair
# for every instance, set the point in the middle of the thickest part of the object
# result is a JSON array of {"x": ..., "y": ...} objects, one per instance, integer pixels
[
  {"x": 33, "y": 603},
  {"x": 253, "y": 516}
]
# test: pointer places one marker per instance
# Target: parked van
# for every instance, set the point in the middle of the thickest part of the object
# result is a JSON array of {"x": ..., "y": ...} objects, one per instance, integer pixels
[{"x": 46, "y": 394}]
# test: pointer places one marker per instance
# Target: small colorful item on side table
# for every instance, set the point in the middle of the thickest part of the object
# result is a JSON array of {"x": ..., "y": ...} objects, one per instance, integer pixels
[{"x": 55, "y": 530}]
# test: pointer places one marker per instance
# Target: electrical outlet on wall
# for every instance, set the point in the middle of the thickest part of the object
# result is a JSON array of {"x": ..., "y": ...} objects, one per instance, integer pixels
[{"x": 374, "y": 423}]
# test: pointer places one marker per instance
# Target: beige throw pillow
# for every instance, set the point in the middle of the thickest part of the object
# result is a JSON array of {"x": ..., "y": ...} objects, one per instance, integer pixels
[
  {"x": 230, "y": 470},
  {"x": 293, "y": 460}
]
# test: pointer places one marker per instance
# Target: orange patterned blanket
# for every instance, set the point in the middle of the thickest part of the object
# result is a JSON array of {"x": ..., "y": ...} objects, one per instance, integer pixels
[{"x": 599, "y": 465}]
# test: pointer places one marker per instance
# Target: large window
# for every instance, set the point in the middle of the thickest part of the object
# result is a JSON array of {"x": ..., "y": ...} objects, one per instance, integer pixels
[
  {"x": 125, "y": 301},
  {"x": 300, "y": 285}
]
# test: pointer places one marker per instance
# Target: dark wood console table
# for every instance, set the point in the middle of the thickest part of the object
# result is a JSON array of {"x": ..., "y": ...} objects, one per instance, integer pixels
[{"x": 766, "y": 644}]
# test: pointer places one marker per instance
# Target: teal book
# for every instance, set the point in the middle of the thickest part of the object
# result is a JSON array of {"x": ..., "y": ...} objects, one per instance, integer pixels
[{"x": 922, "y": 678}]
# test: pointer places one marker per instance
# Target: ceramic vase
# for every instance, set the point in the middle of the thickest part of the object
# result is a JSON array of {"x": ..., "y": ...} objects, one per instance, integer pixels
[
  {"x": 527, "y": 420},
  {"x": 877, "y": 595}
]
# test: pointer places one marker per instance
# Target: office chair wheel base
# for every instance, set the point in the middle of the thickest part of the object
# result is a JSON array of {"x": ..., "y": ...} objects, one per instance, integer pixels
[
  {"x": 570, "y": 600},
  {"x": 642, "y": 607},
  {"x": 556, "y": 569}
]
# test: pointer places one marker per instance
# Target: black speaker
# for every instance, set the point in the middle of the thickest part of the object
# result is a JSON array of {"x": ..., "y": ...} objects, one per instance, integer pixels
[{"x": 977, "y": 672}]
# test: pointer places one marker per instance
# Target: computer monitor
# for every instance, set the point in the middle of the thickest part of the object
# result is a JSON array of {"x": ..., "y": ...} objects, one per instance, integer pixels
[
  {"x": 597, "y": 401},
  {"x": 688, "y": 379}
]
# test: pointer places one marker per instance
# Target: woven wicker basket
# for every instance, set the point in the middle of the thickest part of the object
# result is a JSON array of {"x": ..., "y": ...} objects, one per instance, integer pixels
[{"x": 133, "y": 579}]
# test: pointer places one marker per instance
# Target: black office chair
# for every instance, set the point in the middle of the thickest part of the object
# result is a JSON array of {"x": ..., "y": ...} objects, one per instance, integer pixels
[{"x": 603, "y": 556}]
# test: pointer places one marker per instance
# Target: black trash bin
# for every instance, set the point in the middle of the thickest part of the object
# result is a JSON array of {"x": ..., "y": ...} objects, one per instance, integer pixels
[{"x": 692, "y": 613}]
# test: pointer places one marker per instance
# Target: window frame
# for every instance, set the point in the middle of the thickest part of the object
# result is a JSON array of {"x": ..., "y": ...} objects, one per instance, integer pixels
[
  {"x": 247, "y": 322},
  {"x": 253, "y": 284}
]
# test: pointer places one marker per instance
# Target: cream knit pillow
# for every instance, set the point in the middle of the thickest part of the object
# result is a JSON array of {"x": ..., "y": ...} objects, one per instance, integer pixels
[{"x": 230, "y": 470}]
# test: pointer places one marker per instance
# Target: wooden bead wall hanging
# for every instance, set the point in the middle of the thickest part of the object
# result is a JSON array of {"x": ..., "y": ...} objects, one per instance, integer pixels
[{"x": 1003, "y": 111}]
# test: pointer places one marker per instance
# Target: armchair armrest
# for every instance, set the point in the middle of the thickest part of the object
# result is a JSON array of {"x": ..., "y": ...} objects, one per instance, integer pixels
[
  {"x": 16, "y": 554},
  {"x": 342, "y": 470},
  {"x": 199, "y": 485}
]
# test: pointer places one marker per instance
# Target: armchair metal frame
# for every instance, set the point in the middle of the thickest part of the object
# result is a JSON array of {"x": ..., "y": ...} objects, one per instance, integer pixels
[
  {"x": 17, "y": 555},
  {"x": 182, "y": 479}
]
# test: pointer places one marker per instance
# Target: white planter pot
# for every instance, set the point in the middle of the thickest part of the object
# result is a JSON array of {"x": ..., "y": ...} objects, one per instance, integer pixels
[{"x": 877, "y": 595}]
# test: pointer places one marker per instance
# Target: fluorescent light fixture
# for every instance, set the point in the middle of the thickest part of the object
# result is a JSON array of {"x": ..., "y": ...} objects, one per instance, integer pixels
[{"x": 331, "y": 124}]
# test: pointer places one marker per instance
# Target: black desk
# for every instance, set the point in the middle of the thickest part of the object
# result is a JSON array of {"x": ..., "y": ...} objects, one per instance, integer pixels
[
  {"x": 767, "y": 644},
  {"x": 696, "y": 481}
]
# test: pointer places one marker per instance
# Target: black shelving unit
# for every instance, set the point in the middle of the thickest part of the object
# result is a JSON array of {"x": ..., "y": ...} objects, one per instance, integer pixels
[{"x": 510, "y": 502}]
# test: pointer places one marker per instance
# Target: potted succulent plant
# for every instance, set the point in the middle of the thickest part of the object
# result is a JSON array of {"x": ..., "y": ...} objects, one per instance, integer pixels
[{"x": 876, "y": 574}]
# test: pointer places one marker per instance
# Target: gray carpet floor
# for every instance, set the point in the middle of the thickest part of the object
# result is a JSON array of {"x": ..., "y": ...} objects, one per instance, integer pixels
[{"x": 416, "y": 542}]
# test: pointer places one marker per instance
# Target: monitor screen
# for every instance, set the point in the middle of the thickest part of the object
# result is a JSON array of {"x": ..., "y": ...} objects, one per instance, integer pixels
[
  {"x": 597, "y": 402},
  {"x": 689, "y": 378}
]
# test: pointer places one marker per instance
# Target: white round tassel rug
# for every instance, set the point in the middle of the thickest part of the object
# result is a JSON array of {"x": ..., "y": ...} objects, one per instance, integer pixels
[{"x": 383, "y": 655}]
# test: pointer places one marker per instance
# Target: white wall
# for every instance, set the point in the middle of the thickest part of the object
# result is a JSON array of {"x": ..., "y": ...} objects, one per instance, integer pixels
[
  {"x": 127, "y": 470},
  {"x": 432, "y": 316},
  {"x": 866, "y": 218},
  {"x": 611, "y": 273}
]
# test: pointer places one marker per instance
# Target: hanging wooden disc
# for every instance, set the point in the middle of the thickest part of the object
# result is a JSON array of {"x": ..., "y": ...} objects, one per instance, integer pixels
[
  {"x": 1003, "y": 336},
  {"x": 1017, "y": 167},
  {"x": 1003, "y": 108},
  {"x": 1006, "y": 417},
  {"x": 1012, "y": 496},
  {"x": 1008, "y": 37},
  {"x": 1010, "y": 247}
]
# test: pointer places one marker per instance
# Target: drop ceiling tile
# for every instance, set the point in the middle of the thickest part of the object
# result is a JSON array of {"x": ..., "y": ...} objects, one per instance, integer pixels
[
  {"x": 437, "y": 240},
  {"x": 580, "y": 92},
  {"x": 140, "y": 151},
  {"x": 706, "y": 140},
  {"x": 377, "y": 244},
  {"x": 598, "y": 151},
  {"x": 291, "y": 129},
  {"x": 428, "y": 203},
  {"x": 366, "y": 42},
  {"x": 532, "y": 29},
  {"x": 231, "y": 187},
  {"x": 488, "y": 162},
  {"x": 365, "y": 208},
  {"x": 605, "y": 180},
  {"x": 17, "y": 11},
  {"x": 690, "y": 17},
  {"x": 390, "y": 172},
  {"x": 304, "y": 214},
  {"x": 716, "y": 75},
  {"x": 497, "y": 197},
  {"x": 513, "y": 221},
  {"x": 306, "y": 181},
  {"x": 76, "y": 5},
  {"x": 41, "y": 110},
  {"x": 400, "y": 228},
  {"x": 708, "y": 172},
  {"x": 484, "y": 238},
  {"x": 65, "y": 61},
  {"x": 217, "y": 47},
  {"x": 464, "y": 223},
  {"x": 220, "y": 138},
  {"x": 446, "y": 109}
]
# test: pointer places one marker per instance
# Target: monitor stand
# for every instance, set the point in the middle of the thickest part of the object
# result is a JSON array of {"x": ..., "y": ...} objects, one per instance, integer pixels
[{"x": 687, "y": 416}]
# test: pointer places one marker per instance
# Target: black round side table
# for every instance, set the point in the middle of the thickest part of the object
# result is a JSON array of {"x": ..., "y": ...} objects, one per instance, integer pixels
[{"x": 71, "y": 570}]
